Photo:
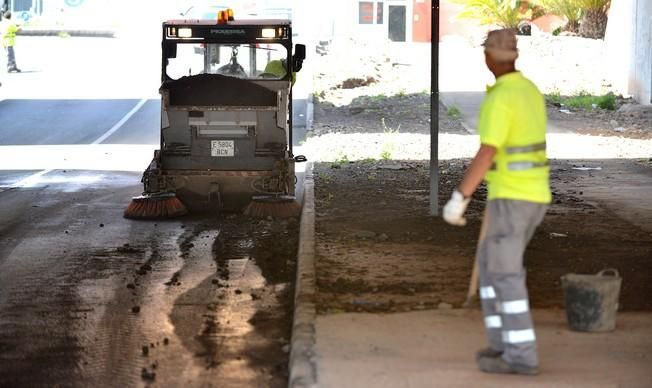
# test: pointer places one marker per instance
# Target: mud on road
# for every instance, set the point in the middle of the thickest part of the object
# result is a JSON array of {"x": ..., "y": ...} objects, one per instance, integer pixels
[
  {"x": 90, "y": 299},
  {"x": 378, "y": 249}
]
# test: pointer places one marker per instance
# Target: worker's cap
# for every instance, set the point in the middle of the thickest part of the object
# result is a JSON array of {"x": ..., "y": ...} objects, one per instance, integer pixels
[{"x": 501, "y": 45}]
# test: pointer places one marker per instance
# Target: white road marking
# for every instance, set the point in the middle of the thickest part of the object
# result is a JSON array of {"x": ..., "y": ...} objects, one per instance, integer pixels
[
  {"x": 33, "y": 179},
  {"x": 30, "y": 180},
  {"x": 120, "y": 123}
]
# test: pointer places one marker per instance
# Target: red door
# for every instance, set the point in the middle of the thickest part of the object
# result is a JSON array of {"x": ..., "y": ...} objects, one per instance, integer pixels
[{"x": 421, "y": 20}]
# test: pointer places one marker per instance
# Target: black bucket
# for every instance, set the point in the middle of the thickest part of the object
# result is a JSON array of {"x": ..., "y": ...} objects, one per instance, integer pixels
[{"x": 592, "y": 300}]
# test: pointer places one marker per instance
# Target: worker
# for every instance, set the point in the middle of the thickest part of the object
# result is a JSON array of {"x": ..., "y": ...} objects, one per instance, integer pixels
[
  {"x": 8, "y": 30},
  {"x": 512, "y": 160},
  {"x": 233, "y": 68},
  {"x": 278, "y": 67}
]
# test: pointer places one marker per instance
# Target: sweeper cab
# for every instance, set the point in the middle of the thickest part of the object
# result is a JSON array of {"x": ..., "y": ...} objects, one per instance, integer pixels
[{"x": 226, "y": 115}]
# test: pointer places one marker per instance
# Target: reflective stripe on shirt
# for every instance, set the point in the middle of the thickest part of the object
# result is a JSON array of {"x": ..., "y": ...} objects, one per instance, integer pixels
[
  {"x": 526, "y": 149},
  {"x": 521, "y": 166}
]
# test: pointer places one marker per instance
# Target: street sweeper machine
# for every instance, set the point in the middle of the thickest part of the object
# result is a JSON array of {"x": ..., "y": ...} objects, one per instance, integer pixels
[{"x": 226, "y": 119}]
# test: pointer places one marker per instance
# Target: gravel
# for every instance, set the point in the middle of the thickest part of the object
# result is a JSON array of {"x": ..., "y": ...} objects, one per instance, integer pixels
[{"x": 557, "y": 64}]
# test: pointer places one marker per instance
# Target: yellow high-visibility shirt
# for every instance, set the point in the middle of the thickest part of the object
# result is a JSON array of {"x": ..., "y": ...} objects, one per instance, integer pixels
[
  {"x": 276, "y": 67},
  {"x": 513, "y": 119},
  {"x": 9, "y": 30}
]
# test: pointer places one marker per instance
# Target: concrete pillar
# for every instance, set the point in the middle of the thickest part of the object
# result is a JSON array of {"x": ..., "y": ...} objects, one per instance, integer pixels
[
  {"x": 618, "y": 38},
  {"x": 628, "y": 43},
  {"x": 641, "y": 68}
]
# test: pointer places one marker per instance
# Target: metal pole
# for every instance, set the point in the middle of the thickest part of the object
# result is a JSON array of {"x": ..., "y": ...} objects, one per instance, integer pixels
[{"x": 434, "y": 109}]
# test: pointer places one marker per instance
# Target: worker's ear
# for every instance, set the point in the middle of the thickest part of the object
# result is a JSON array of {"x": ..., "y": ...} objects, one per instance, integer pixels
[{"x": 298, "y": 57}]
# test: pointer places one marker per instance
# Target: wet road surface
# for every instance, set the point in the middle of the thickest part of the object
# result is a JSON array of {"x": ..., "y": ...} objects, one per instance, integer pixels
[{"x": 88, "y": 298}]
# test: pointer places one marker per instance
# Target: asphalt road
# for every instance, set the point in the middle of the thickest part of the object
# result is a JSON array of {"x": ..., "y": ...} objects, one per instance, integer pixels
[{"x": 88, "y": 298}]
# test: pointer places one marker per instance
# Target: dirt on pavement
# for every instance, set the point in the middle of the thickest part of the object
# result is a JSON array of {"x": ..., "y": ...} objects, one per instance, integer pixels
[
  {"x": 379, "y": 250},
  {"x": 629, "y": 120}
]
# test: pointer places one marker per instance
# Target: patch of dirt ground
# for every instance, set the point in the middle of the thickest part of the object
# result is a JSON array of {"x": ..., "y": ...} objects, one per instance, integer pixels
[
  {"x": 377, "y": 247},
  {"x": 379, "y": 250},
  {"x": 629, "y": 120}
]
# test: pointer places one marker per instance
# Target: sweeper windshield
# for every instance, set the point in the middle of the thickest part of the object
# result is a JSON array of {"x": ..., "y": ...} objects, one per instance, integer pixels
[
  {"x": 252, "y": 50},
  {"x": 236, "y": 60}
]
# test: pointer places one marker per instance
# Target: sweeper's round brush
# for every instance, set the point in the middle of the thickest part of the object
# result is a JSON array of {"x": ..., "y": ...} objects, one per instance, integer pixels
[
  {"x": 149, "y": 206},
  {"x": 273, "y": 206}
]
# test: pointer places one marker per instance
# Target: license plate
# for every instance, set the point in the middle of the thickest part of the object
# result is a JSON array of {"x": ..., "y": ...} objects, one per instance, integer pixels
[{"x": 222, "y": 148}]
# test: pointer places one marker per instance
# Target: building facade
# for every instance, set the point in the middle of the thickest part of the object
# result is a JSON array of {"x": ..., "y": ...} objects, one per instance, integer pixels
[{"x": 393, "y": 20}]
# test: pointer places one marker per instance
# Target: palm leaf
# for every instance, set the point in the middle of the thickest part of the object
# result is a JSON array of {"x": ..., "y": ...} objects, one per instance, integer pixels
[{"x": 505, "y": 13}]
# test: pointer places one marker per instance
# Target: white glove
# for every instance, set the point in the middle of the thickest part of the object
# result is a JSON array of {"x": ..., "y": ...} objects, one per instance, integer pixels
[{"x": 454, "y": 209}]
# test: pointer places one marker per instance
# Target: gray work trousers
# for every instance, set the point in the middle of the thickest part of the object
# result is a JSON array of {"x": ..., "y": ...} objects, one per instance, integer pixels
[
  {"x": 505, "y": 305},
  {"x": 11, "y": 58}
]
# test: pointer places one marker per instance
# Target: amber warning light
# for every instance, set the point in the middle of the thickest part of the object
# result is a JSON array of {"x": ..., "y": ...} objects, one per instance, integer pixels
[{"x": 225, "y": 16}]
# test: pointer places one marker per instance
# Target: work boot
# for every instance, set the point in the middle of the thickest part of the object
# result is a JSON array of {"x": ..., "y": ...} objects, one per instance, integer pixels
[
  {"x": 488, "y": 352},
  {"x": 498, "y": 365}
]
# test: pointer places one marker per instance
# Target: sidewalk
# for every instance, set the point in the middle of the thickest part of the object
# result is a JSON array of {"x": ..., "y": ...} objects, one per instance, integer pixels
[
  {"x": 67, "y": 30},
  {"x": 435, "y": 349},
  {"x": 468, "y": 103}
]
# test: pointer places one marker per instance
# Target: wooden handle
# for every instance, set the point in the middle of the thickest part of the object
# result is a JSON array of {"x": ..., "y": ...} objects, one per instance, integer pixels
[{"x": 475, "y": 275}]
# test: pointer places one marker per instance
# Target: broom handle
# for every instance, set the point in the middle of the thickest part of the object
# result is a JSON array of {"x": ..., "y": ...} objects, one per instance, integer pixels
[{"x": 475, "y": 275}]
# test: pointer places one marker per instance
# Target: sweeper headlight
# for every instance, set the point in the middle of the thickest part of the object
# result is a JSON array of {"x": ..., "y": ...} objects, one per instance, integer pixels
[
  {"x": 273, "y": 33},
  {"x": 268, "y": 33},
  {"x": 179, "y": 32},
  {"x": 185, "y": 32}
]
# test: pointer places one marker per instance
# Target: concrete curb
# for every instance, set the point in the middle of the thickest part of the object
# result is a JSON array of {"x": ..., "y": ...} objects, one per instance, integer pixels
[
  {"x": 303, "y": 369},
  {"x": 51, "y": 31}
]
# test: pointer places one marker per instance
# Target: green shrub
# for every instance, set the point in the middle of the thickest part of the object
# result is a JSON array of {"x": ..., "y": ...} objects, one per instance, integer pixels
[
  {"x": 342, "y": 159},
  {"x": 554, "y": 98},
  {"x": 584, "y": 100},
  {"x": 454, "y": 112},
  {"x": 608, "y": 101},
  {"x": 389, "y": 145}
]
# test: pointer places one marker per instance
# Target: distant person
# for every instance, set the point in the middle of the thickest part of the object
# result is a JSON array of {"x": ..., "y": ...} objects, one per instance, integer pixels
[
  {"x": 512, "y": 159},
  {"x": 9, "y": 29}
]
